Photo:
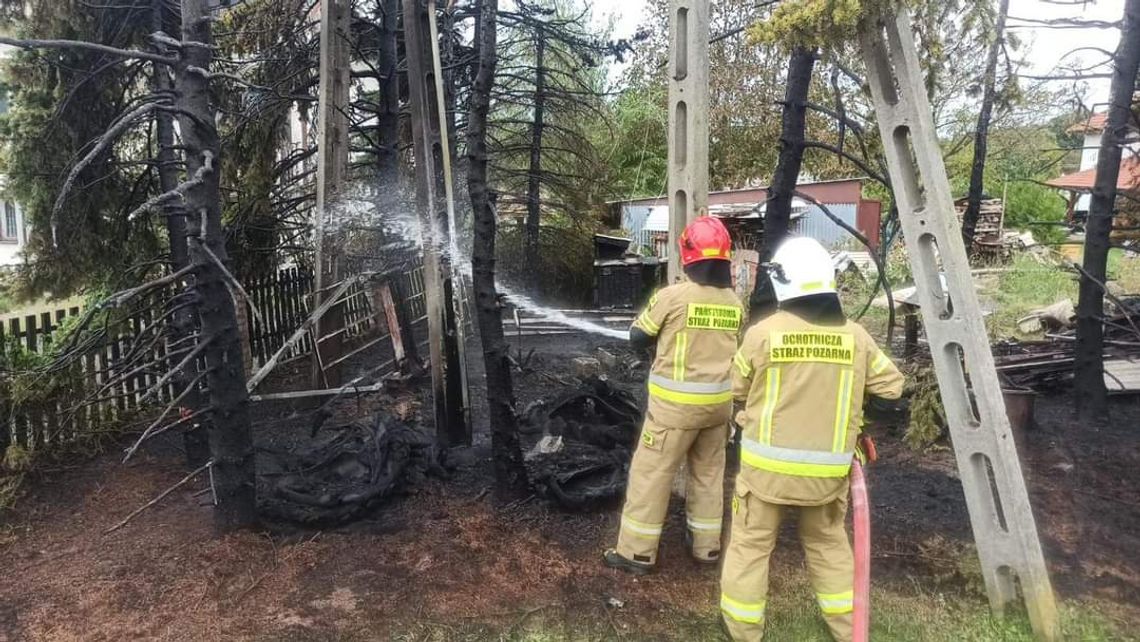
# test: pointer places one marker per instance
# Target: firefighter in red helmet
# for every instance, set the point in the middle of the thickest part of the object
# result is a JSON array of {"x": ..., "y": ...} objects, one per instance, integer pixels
[{"x": 694, "y": 325}]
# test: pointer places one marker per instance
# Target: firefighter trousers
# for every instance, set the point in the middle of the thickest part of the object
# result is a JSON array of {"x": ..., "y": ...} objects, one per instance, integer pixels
[
  {"x": 744, "y": 576},
  {"x": 659, "y": 454}
]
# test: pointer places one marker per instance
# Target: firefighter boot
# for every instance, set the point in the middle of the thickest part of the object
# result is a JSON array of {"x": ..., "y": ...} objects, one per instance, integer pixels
[{"x": 613, "y": 559}]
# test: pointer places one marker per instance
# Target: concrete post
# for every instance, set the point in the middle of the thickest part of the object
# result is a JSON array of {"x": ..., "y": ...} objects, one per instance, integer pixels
[
  {"x": 688, "y": 120},
  {"x": 1004, "y": 529},
  {"x": 452, "y": 423},
  {"x": 332, "y": 168}
]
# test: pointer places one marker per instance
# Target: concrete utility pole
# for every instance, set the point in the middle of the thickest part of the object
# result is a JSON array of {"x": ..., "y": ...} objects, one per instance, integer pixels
[
  {"x": 1004, "y": 529},
  {"x": 455, "y": 292},
  {"x": 448, "y": 377},
  {"x": 332, "y": 170},
  {"x": 688, "y": 120}
]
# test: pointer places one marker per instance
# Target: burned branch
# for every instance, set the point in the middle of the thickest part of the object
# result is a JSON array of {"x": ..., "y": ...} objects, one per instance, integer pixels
[
  {"x": 89, "y": 46},
  {"x": 161, "y": 496},
  {"x": 191, "y": 389},
  {"x": 113, "y": 133},
  {"x": 882, "y": 270}
]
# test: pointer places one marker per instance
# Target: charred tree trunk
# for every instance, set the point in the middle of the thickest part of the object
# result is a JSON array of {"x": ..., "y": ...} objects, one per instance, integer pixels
[
  {"x": 388, "y": 157},
  {"x": 181, "y": 326},
  {"x": 534, "y": 175},
  {"x": 231, "y": 444},
  {"x": 777, "y": 217},
  {"x": 1089, "y": 390},
  {"x": 388, "y": 120},
  {"x": 981, "y": 134},
  {"x": 510, "y": 475}
]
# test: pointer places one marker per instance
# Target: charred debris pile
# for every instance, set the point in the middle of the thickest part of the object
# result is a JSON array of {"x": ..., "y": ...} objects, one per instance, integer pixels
[
  {"x": 347, "y": 471},
  {"x": 587, "y": 438},
  {"x": 579, "y": 442},
  {"x": 1046, "y": 366}
]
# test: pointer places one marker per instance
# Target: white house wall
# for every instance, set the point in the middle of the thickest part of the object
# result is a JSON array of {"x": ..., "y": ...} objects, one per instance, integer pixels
[
  {"x": 1090, "y": 152},
  {"x": 10, "y": 253}
]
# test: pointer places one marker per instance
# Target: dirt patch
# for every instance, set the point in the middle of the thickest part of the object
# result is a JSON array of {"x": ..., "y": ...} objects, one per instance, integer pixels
[
  {"x": 444, "y": 554},
  {"x": 1082, "y": 483}
]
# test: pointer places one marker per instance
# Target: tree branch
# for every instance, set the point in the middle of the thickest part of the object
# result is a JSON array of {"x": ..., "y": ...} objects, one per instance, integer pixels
[
  {"x": 161, "y": 496},
  {"x": 179, "y": 191},
  {"x": 89, "y": 46},
  {"x": 862, "y": 165},
  {"x": 105, "y": 141},
  {"x": 871, "y": 251}
]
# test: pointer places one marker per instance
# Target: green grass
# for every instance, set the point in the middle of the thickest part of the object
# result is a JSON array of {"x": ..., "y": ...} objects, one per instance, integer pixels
[
  {"x": 898, "y": 615},
  {"x": 1027, "y": 285},
  {"x": 1124, "y": 269},
  {"x": 920, "y": 616},
  {"x": 904, "y": 610}
]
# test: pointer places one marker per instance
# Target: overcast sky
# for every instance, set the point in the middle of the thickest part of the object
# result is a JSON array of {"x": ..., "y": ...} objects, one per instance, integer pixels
[{"x": 1045, "y": 48}]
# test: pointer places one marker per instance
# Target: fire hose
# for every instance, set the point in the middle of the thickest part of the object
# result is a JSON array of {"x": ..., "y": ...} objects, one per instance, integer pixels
[
  {"x": 862, "y": 519},
  {"x": 877, "y": 411}
]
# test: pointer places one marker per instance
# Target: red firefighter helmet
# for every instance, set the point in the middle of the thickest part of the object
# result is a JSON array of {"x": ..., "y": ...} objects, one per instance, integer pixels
[{"x": 704, "y": 239}]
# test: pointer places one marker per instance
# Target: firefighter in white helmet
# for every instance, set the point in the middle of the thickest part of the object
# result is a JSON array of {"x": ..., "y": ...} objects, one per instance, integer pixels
[
  {"x": 802, "y": 374},
  {"x": 695, "y": 326}
]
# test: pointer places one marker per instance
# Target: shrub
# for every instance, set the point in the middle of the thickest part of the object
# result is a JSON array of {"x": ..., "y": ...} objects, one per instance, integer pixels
[
  {"x": 927, "y": 417},
  {"x": 37, "y": 390},
  {"x": 1038, "y": 209}
]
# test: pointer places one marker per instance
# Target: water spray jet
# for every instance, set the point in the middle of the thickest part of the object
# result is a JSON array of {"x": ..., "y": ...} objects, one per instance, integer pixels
[{"x": 402, "y": 231}]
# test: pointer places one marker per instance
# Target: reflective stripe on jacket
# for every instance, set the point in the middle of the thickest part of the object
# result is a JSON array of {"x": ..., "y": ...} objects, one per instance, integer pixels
[
  {"x": 802, "y": 386},
  {"x": 696, "y": 327}
]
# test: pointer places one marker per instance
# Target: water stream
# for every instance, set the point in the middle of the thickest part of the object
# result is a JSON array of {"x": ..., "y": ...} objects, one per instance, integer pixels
[{"x": 401, "y": 223}]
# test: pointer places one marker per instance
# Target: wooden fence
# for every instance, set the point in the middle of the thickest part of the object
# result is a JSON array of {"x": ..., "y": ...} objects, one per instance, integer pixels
[
  {"x": 107, "y": 381},
  {"x": 283, "y": 303},
  {"x": 104, "y": 383}
]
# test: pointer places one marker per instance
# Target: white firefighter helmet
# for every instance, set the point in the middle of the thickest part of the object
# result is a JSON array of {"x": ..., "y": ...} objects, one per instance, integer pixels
[{"x": 801, "y": 267}]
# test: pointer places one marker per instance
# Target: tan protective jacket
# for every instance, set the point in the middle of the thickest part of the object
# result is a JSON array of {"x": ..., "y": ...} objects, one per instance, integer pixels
[
  {"x": 803, "y": 386},
  {"x": 690, "y": 383}
]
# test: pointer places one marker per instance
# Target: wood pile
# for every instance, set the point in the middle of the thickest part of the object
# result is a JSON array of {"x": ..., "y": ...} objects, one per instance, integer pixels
[{"x": 989, "y": 234}]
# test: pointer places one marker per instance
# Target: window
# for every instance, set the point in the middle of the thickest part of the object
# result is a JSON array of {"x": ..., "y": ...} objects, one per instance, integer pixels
[{"x": 10, "y": 231}]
